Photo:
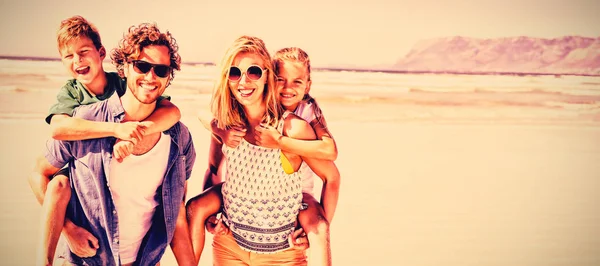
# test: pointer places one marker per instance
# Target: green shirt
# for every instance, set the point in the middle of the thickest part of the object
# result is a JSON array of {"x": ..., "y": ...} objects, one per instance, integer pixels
[{"x": 74, "y": 94}]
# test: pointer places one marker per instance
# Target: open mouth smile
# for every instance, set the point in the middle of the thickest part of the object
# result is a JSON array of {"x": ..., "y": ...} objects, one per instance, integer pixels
[
  {"x": 147, "y": 86},
  {"x": 287, "y": 95},
  {"x": 82, "y": 70},
  {"x": 246, "y": 92}
]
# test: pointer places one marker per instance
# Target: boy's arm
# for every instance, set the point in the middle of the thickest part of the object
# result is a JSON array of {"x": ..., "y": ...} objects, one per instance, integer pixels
[
  {"x": 325, "y": 169},
  {"x": 323, "y": 148},
  {"x": 73, "y": 118},
  {"x": 164, "y": 117},
  {"x": 64, "y": 127}
]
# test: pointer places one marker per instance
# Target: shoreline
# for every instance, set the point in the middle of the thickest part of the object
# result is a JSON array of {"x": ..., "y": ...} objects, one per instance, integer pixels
[{"x": 362, "y": 70}]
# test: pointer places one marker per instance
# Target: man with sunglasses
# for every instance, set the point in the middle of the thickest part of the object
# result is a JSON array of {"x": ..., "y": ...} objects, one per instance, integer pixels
[{"x": 134, "y": 207}]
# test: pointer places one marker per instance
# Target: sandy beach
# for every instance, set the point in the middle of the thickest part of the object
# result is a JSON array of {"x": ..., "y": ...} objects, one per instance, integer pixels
[{"x": 440, "y": 190}]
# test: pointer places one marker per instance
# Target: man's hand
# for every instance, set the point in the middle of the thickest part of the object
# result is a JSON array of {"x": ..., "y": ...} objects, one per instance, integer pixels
[
  {"x": 232, "y": 137},
  {"x": 267, "y": 136},
  {"x": 298, "y": 240},
  {"x": 81, "y": 242},
  {"x": 214, "y": 225},
  {"x": 122, "y": 149},
  {"x": 132, "y": 131}
]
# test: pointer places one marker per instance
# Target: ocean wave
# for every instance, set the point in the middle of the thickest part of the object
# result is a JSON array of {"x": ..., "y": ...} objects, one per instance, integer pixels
[{"x": 353, "y": 87}]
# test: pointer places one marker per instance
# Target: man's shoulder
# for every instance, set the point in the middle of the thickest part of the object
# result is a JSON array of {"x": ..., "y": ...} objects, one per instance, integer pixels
[
  {"x": 179, "y": 128},
  {"x": 180, "y": 132}
]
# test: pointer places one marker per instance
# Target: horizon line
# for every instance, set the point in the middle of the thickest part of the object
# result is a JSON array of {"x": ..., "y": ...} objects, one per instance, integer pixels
[{"x": 351, "y": 69}]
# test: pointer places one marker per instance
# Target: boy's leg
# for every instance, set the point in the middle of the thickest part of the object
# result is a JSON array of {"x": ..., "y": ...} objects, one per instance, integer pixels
[
  {"x": 56, "y": 199},
  {"x": 316, "y": 226},
  {"x": 198, "y": 209}
]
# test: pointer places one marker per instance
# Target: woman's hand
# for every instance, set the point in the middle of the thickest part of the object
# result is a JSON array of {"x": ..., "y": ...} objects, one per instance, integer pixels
[{"x": 214, "y": 225}]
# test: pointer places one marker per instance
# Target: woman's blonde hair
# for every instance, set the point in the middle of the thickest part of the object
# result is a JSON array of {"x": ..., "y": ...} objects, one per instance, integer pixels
[
  {"x": 295, "y": 54},
  {"x": 225, "y": 108}
]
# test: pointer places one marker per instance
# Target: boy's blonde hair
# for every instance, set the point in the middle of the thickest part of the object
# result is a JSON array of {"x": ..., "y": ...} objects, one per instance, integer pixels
[
  {"x": 77, "y": 27},
  {"x": 225, "y": 108},
  {"x": 295, "y": 54}
]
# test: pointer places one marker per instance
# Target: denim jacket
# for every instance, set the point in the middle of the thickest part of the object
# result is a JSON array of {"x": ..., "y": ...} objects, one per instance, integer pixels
[{"x": 91, "y": 205}]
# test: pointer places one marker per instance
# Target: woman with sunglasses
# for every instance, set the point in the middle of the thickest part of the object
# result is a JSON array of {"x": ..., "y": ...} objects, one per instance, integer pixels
[{"x": 262, "y": 194}]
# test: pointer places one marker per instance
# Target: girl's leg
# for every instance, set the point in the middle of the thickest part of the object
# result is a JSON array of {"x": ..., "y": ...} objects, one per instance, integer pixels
[
  {"x": 56, "y": 199},
  {"x": 316, "y": 226},
  {"x": 198, "y": 209}
]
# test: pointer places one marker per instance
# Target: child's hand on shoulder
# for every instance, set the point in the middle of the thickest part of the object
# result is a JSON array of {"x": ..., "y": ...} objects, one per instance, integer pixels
[
  {"x": 267, "y": 136},
  {"x": 132, "y": 131},
  {"x": 122, "y": 149},
  {"x": 233, "y": 136}
]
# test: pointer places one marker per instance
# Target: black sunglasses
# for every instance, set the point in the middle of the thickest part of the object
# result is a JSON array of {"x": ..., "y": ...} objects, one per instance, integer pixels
[
  {"x": 143, "y": 67},
  {"x": 253, "y": 72}
]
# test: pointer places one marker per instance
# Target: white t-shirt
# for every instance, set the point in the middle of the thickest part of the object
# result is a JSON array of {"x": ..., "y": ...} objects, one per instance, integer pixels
[{"x": 133, "y": 184}]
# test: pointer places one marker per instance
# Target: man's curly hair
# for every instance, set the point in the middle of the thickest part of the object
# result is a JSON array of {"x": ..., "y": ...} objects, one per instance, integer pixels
[{"x": 136, "y": 39}]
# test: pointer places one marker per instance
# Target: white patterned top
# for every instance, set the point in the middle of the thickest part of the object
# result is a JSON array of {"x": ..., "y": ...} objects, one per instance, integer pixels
[{"x": 261, "y": 201}]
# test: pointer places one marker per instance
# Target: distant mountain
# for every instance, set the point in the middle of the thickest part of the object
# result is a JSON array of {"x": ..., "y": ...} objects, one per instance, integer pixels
[{"x": 566, "y": 55}]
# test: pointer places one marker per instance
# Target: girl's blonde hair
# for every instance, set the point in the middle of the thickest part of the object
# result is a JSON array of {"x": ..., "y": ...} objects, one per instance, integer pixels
[
  {"x": 225, "y": 108},
  {"x": 295, "y": 54}
]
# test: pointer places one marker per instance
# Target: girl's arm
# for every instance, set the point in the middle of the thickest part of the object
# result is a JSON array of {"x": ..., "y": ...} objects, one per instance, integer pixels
[{"x": 323, "y": 147}]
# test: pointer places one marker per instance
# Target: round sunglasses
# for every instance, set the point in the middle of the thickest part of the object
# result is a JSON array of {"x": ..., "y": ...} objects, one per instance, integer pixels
[
  {"x": 253, "y": 72},
  {"x": 144, "y": 67}
]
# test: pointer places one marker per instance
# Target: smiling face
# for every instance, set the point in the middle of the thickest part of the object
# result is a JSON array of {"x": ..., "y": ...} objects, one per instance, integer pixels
[
  {"x": 82, "y": 60},
  {"x": 246, "y": 91},
  {"x": 147, "y": 87},
  {"x": 292, "y": 84}
]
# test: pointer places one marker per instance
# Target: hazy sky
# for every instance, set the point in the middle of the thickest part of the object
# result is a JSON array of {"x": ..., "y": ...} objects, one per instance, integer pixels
[{"x": 362, "y": 33}]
